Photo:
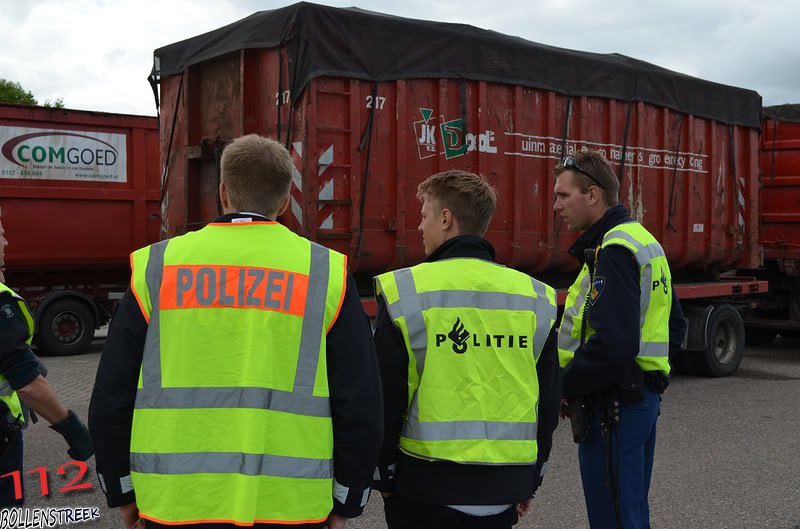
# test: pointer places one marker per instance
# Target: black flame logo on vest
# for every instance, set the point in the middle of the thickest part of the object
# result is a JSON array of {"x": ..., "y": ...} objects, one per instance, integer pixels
[{"x": 459, "y": 337}]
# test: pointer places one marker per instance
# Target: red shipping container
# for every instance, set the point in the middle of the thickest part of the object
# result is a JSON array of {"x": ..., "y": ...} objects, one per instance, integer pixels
[
  {"x": 366, "y": 122},
  {"x": 79, "y": 191},
  {"x": 780, "y": 194}
]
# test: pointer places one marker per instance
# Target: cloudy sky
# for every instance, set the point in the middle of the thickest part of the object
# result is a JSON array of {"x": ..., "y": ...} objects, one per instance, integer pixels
[{"x": 96, "y": 54}]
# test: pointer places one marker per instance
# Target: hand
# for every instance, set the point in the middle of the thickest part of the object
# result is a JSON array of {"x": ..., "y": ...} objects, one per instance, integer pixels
[
  {"x": 565, "y": 411},
  {"x": 77, "y": 436},
  {"x": 524, "y": 507},
  {"x": 130, "y": 516},
  {"x": 335, "y": 521}
]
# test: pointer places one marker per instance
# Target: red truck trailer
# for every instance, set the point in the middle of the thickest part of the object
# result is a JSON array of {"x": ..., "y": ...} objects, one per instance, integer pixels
[
  {"x": 79, "y": 191},
  {"x": 779, "y": 311},
  {"x": 370, "y": 105}
]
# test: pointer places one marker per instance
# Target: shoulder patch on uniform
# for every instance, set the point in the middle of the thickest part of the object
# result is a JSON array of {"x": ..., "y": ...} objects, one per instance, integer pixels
[
  {"x": 597, "y": 288},
  {"x": 7, "y": 312}
]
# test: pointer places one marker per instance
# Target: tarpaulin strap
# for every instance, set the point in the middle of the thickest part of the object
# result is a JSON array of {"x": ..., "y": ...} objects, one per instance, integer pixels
[
  {"x": 625, "y": 143},
  {"x": 279, "y": 102},
  {"x": 565, "y": 135},
  {"x": 165, "y": 173},
  {"x": 774, "y": 144},
  {"x": 366, "y": 140},
  {"x": 672, "y": 202},
  {"x": 463, "y": 96},
  {"x": 732, "y": 151},
  {"x": 292, "y": 98}
]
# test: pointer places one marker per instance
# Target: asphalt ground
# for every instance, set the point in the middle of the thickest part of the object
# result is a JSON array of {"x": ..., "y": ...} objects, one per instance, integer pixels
[{"x": 728, "y": 454}]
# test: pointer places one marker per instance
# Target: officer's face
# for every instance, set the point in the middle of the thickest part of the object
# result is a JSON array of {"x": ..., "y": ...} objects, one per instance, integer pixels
[
  {"x": 3, "y": 244},
  {"x": 572, "y": 204},
  {"x": 431, "y": 226}
]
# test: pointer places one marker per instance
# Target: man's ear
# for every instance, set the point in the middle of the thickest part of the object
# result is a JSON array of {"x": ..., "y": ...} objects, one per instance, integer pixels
[
  {"x": 446, "y": 219},
  {"x": 223, "y": 196},
  {"x": 284, "y": 206},
  {"x": 594, "y": 195}
]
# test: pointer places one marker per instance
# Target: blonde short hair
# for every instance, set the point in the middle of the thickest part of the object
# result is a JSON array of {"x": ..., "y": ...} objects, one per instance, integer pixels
[
  {"x": 257, "y": 173},
  {"x": 470, "y": 197}
]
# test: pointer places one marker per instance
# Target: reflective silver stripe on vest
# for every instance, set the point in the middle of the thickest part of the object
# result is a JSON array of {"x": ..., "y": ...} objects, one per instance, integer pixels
[
  {"x": 313, "y": 320},
  {"x": 232, "y": 462},
  {"x": 410, "y": 305},
  {"x": 455, "y": 430},
  {"x": 565, "y": 339},
  {"x": 300, "y": 401},
  {"x": 645, "y": 253},
  {"x": 453, "y": 299},
  {"x": 5, "y": 389},
  {"x": 257, "y": 398},
  {"x": 151, "y": 359},
  {"x": 546, "y": 314}
]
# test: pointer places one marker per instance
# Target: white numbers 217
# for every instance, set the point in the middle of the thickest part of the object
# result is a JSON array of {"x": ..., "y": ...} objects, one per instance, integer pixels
[{"x": 379, "y": 101}]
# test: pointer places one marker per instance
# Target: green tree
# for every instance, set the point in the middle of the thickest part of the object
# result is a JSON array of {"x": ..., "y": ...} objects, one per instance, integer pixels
[{"x": 12, "y": 92}]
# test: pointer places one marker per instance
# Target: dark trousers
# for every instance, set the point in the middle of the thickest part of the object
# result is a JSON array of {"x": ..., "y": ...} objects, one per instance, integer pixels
[
  {"x": 404, "y": 513},
  {"x": 632, "y": 447},
  {"x": 10, "y": 460}
]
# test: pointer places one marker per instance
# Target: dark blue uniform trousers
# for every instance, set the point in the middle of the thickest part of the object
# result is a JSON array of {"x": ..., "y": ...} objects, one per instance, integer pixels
[{"x": 633, "y": 445}]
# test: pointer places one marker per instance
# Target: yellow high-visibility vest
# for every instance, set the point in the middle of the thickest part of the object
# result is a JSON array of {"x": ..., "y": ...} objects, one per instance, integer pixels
[
  {"x": 7, "y": 393},
  {"x": 655, "y": 282},
  {"x": 474, "y": 331},
  {"x": 232, "y": 420}
]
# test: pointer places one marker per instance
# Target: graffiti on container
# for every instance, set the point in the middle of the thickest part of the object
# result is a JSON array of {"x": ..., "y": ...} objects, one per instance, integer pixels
[
  {"x": 531, "y": 146},
  {"x": 455, "y": 141}
]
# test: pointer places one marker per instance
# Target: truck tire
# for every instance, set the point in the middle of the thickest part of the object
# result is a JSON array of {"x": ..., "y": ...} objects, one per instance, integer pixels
[
  {"x": 725, "y": 344},
  {"x": 759, "y": 336},
  {"x": 65, "y": 328}
]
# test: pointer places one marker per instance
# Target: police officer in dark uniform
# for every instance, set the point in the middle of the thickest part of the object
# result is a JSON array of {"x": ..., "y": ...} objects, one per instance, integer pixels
[
  {"x": 23, "y": 387},
  {"x": 621, "y": 320}
]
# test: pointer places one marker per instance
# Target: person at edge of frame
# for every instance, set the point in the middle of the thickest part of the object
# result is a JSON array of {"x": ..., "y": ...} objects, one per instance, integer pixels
[
  {"x": 468, "y": 360},
  {"x": 258, "y": 400},
  {"x": 23, "y": 388},
  {"x": 621, "y": 320}
]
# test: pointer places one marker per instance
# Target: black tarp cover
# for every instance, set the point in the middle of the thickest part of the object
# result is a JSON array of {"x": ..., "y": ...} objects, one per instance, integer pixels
[
  {"x": 783, "y": 112},
  {"x": 351, "y": 42}
]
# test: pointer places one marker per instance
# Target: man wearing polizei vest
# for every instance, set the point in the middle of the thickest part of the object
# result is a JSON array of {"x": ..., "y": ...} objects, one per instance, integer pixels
[
  {"x": 621, "y": 319},
  {"x": 468, "y": 361},
  {"x": 22, "y": 387},
  {"x": 238, "y": 385}
]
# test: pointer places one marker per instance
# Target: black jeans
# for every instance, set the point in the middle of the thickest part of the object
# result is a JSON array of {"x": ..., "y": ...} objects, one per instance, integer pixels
[{"x": 404, "y": 513}]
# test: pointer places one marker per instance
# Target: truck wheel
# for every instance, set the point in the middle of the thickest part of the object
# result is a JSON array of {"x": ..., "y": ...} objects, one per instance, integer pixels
[
  {"x": 725, "y": 344},
  {"x": 759, "y": 336},
  {"x": 65, "y": 328}
]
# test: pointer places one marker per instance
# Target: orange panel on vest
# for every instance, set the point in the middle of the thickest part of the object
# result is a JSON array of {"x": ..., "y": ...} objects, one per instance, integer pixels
[{"x": 241, "y": 287}]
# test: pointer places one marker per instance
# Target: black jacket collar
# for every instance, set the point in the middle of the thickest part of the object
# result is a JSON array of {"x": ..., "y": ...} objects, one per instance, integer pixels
[
  {"x": 593, "y": 236},
  {"x": 463, "y": 246},
  {"x": 229, "y": 217}
]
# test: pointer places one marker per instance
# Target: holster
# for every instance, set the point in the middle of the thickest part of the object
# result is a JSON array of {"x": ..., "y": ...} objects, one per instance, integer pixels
[{"x": 579, "y": 420}]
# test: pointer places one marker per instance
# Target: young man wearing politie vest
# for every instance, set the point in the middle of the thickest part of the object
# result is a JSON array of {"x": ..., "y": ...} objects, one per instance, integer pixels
[
  {"x": 238, "y": 385},
  {"x": 621, "y": 319},
  {"x": 23, "y": 387},
  {"x": 469, "y": 366}
]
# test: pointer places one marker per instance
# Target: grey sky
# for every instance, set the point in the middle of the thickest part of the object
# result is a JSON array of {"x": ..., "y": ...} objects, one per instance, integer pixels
[{"x": 96, "y": 54}]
